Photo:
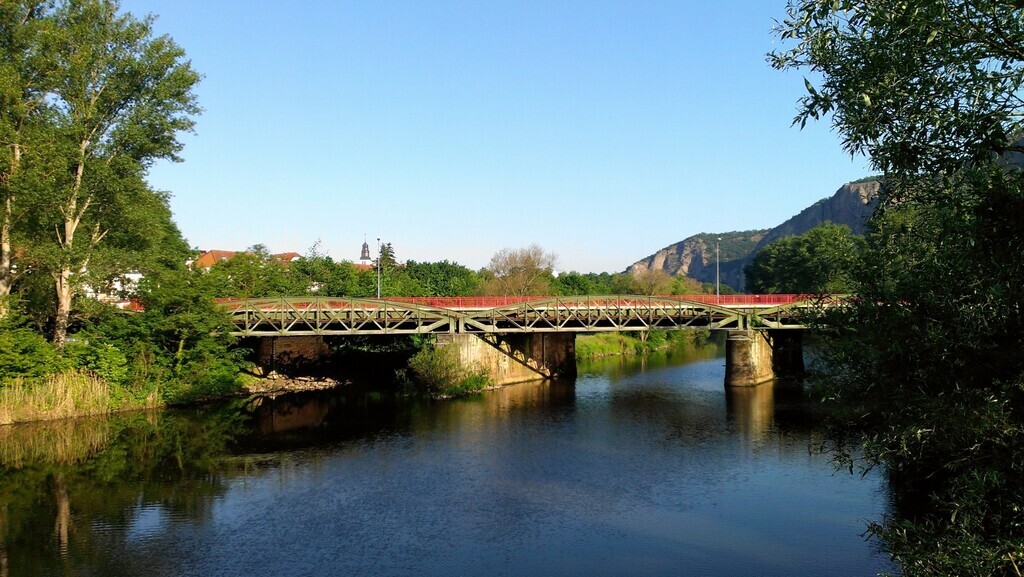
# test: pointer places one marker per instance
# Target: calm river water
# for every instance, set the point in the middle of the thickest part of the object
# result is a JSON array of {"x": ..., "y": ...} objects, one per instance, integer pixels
[{"x": 637, "y": 468}]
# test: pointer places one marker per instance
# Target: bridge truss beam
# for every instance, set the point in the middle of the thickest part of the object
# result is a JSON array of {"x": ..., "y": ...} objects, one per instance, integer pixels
[{"x": 322, "y": 316}]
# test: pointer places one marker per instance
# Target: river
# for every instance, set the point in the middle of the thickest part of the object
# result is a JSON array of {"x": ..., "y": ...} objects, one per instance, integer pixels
[{"x": 636, "y": 468}]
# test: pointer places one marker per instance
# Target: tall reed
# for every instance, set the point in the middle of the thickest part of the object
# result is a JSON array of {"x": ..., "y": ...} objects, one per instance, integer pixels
[{"x": 67, "y": 394}]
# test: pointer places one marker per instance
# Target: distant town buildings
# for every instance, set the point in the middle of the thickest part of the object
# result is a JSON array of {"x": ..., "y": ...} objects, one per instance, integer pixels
[
  {"x": 211, "y": 257},
  {"x": 116, "y": 291}
]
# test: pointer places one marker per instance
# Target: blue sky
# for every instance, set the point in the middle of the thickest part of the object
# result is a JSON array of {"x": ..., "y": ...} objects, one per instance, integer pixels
[{"x": 600, "y": 130}]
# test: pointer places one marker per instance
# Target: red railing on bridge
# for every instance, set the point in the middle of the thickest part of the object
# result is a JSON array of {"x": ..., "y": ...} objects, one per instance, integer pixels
[
  {"x": 491, "y": 302},
  {"x": 502, "y": 301}
]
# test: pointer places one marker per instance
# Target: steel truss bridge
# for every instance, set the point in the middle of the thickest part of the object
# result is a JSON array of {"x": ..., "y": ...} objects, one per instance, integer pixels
[{"x": 326, "y": 316}]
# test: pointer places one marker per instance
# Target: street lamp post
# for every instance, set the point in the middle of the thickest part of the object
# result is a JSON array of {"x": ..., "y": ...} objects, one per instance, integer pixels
[
  {"x": 378, "y": 267},
  {"x": 717, "y": 269}
]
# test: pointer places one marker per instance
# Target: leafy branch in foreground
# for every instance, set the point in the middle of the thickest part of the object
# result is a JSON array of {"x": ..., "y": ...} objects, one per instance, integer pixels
[{"x": 925, "y": 366}]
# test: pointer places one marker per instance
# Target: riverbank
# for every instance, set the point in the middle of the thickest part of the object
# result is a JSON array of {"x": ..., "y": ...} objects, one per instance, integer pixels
[
  {"x": 78, "y": 393},
  {"x": 65, "y": 395}
]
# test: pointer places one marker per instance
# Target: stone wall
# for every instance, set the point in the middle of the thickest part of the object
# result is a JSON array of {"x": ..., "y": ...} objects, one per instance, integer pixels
[
  {"x": 278, "y": 353},
  {"x": 515, "y": 358}
]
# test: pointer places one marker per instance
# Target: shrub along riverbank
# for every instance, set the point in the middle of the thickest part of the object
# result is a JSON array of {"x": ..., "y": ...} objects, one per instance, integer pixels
[{"x": 439, "y": 372}]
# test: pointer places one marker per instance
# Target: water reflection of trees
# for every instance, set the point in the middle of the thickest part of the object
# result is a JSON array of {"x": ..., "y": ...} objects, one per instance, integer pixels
[{"x": 63, "y": 484}]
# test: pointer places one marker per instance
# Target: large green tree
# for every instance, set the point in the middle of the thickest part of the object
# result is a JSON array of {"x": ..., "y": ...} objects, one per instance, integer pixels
[
  {"x": 820, "y": 261},
  {"x": 926, "y": 362},
  {"x": 104, "y": 98},
  {"x": 23, "y": 84}
]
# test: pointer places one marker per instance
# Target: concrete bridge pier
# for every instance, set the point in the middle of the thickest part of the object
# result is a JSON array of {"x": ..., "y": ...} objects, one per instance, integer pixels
[
  {"x": 753, "y": 357},
  {"x": 516, "y": 357},
  {"x": 748, "y": 358}
]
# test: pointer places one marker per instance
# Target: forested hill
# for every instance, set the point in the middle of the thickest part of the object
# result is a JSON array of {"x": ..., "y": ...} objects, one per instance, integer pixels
[{"x": 695, "y": 256}]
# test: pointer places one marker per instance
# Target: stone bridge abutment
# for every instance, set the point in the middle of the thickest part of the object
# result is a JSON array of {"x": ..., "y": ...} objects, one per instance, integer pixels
[
  {"x": 753, "y": 357},
  {"x": 516, "y": 357}
]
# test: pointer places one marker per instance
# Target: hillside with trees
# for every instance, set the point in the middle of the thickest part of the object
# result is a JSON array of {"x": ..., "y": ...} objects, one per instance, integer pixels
[{"x": 850, "y": 206}]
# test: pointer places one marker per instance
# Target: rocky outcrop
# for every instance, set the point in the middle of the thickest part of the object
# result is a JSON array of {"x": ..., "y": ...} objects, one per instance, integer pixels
[
  {"x": 694, "y": 257},
  {"x": 850, "y": 205}
]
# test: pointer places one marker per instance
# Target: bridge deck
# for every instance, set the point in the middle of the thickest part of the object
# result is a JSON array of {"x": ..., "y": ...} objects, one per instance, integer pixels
[{"x": 302, "y": 316}]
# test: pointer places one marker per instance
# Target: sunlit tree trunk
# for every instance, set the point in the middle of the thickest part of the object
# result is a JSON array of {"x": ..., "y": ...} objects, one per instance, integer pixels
[
  {"x": 6, "y": 230},
  {"x": 6, "y": 272}
]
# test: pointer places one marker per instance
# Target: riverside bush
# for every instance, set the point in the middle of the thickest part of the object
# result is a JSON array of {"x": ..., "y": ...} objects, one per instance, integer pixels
[
  {"x": 441, "y": 373},
  {"x": 26, "y": 354},
  {"x": 105, "y": 361}
]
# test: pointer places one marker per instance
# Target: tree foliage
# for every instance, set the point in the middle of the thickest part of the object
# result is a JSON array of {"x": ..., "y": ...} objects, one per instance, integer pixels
[
  {"x": 255, "y": 273},
  {"x": 520, "y": 272},
  {"x": 443, "y": 278},
  {"x": 91, "y": 99},
  {"x": 926, "y": 363},
  {"x": 820, "y": 261},
  {"x": 651, "y": 281},
  {"x": 920, "y": 86}
]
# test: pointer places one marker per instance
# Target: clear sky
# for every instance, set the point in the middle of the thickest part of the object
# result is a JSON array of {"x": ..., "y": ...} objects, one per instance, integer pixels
[{"x": 601, "y": 130}]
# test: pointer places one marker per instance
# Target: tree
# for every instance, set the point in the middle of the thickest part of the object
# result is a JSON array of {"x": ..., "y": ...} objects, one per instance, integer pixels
[
  {"x": 22, "y": 85},
  {"x": 820, "y": 261},
  {"x": 520, "y": 272},
  {"x": 920, "y": 86},
  {"x": 387, "y": 256},
  {"x": 444, "y": 279},
  {"x": 684, "y": 285},
  {"x": 651, "y": 281},
  {"x": 255, "y": 273},
  {"x": 925, "y": 365},
  {"x": 573, "y": 284},
  {"x": 108, "y": 100},
  {"x": 320, "y": 275}
]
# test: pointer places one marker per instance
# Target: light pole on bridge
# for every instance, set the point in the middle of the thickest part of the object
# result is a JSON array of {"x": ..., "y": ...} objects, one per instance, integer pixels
[
  {"x": 378, "y": 267},
  {"x": 717, "y": 275}
]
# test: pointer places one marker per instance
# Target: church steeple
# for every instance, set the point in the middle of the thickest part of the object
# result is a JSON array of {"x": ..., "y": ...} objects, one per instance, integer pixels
[{"x": 365, "y": 255}]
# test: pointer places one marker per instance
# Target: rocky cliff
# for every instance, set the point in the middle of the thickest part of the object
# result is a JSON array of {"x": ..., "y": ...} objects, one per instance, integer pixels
[{"x": 695, "y": 256}]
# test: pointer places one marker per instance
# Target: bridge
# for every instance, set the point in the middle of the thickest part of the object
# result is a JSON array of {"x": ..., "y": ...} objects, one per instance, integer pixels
[
  {"x": 537, "y": 333},
  {"x": 333, "y": 316}
]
